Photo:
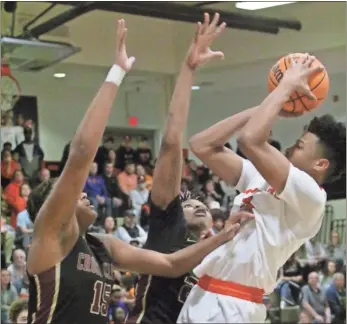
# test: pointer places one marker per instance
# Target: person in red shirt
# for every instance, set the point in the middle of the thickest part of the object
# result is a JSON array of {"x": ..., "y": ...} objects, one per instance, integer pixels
[
  {"x": 12, "y": 195},
  {"x": 8, "y": 167}
]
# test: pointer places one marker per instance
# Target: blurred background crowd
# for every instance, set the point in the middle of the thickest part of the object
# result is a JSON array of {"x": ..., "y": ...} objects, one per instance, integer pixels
[{"x": 311, "y": 285}]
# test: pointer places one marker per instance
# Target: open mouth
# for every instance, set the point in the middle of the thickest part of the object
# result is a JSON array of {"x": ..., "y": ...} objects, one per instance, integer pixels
[{"x": 200, "y": 212}]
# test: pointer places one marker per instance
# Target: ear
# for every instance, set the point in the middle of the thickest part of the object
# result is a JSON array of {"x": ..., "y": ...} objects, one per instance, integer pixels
[{"x": 322, "y": 165}]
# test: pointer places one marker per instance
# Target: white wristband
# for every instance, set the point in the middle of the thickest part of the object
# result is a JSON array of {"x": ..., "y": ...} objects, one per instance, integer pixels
[{"x": 115, "y": 75}]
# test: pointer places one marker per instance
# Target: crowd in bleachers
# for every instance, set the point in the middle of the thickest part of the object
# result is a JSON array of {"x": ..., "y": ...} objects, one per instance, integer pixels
[{"x": 310, "y": 285}]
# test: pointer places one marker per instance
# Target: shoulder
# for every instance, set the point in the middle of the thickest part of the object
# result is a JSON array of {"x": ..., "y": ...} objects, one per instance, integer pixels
[
  {"x": 303, "y": 190},
  {"x": 173, "y": 207}
]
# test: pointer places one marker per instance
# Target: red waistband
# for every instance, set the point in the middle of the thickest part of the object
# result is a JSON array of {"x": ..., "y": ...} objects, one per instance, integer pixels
[{"x": 230, "y": 288}]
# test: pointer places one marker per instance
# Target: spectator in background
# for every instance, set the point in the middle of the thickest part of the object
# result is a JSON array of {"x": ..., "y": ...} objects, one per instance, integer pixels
[
  {"x": 18, "y": 312},
  {"x": 184, "y": 185},
  {"x": 9, "y": 132},
  {"x": 96, "y": 191},
  {"x": 7, "y": 241},
  {"x": 314, "y": 300},
  {"x": 43, "y": 175},
  {"x": 336, "y": 296},
  {"x": 144, "y": 153},
  {"x": 139, "y": 197},
  {"x": 130, "y": 231},
  {"x": 109, "y": 226},
  {"x": 101, "y": 156},
  {"x": 290, "y": 280},
  {"x": 193, "y": 175},
  {"x": 25, "y": 229},
  {"x": 218, "y": 218},
  {"x": 8, "y": 167},
  {"x": 326, "y": 275},
  {"x": 315, "y": 252},
  {"x": 127, "y": 179},
  {"x": 30, "y": 154},
  {"x": 12, "y": 195},
  {"x": 112, "y": 158},
  {"x": 64, "y": 157},
  {"x": 335, "y": 250},
  {"x": 125, "y": 154},
  {"x": 8, "y": 294},
  {"x": 218, "y": 187},
  {"x": 18, "y": 267},
  {"x": 305, "y": 318},
  {"x": 7, "y": 146},
  {"x": 115, "y": 195},
  {"x": 210, "y": 193},
  {"x": 117, "y": 309},
  {"x": 141, "y": 172}
]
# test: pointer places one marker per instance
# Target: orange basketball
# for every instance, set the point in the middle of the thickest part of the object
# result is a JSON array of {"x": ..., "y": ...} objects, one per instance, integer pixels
[{"x": 319, "y": 85}]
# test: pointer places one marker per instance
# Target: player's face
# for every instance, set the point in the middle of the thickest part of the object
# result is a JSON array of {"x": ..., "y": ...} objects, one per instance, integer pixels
[
  {"x": 305, "y": 154},
  {"x": 85, "y": 213},
  {"x": 197, "y": 215}
]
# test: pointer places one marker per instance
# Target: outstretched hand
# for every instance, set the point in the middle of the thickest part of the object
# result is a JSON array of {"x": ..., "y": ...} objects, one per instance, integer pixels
[
  {"x": 297, "y": 75},
  {"x": 122, "y": 58},
  {"x": 199, "y": 52}
]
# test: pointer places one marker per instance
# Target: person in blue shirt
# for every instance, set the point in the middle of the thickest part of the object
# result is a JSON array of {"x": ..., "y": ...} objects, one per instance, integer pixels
[
  {"x": 336, "y": 296},
  {"x": 96, "y": 191},
  {"x": 25, "y": 228}
]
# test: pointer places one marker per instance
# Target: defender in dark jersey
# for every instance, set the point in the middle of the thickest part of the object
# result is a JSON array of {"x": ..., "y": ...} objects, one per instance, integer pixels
[
  {"x": 175, "y": 223},
  {"x": 70, "y": 272}
]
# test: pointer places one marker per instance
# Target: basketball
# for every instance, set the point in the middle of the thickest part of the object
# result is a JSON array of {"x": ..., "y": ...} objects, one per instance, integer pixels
[{"x": 319, "y": 85}]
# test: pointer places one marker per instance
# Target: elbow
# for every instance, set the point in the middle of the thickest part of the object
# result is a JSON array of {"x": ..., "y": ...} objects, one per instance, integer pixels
[
  {"x": 198, "y": 147},
  {"x": 245, "y": 141},
  {"x": 171, "y": 142}
]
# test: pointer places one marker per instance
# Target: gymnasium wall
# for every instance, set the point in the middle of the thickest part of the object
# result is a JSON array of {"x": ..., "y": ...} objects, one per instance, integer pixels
[{"x": 62, "y": 102}]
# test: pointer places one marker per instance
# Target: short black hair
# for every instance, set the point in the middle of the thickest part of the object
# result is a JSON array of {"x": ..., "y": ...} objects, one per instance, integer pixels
[
  {"x": 187, "y": 195},
  {"x": 38, "y": 196},
  {"x": 332, "y": 138}
]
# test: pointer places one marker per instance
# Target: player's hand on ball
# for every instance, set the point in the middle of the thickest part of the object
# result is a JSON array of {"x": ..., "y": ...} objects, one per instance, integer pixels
[
  {"x": 122, "y": 58},
  {"x": 199, "y": 52},
  {"x": 296, "y": 77},
  {"x": 233, "y": 224}
]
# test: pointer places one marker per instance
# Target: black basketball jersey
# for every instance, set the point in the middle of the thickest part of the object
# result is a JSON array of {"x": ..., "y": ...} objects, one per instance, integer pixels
[
  {"x": 158, "y": 299},
  {"x": 76, "y": 290}
]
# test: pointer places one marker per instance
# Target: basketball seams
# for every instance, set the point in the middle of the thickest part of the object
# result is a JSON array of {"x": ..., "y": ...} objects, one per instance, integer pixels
[
  {"x": 300, "y": 99},
  {"x": 318, "y": 84}
]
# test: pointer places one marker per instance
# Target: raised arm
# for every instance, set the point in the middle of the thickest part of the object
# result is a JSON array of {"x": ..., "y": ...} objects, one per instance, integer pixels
[
  {"x": 253, "y": 140},
  {"x": 176, "y": 264},
  {"x": 57, "y": 213},
  {"x": 208, "y": 146},
  {"x": 168, "y": 169}
]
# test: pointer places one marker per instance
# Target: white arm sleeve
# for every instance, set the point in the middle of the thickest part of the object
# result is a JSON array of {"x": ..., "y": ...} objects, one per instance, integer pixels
[
  {"x": 248, "y": 173},
  {"x": 304, "y": 197}
]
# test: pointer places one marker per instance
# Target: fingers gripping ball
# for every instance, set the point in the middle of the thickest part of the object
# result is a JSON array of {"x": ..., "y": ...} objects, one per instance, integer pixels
[{"x": 298, "y": 103}]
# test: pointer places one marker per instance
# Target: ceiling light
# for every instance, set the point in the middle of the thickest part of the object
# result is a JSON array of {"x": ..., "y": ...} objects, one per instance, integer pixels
[
  {"x": 59, "y": 75},
  {"x": 195, "y": 88},
  {"x": 255, "y": 5}
]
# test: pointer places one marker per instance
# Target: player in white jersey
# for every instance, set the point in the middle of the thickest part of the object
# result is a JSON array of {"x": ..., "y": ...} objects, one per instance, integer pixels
[{"x": 282, "y": 191}]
